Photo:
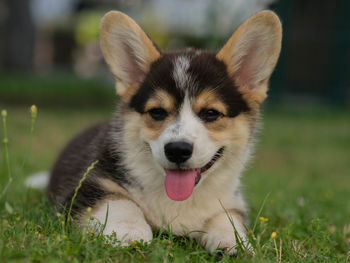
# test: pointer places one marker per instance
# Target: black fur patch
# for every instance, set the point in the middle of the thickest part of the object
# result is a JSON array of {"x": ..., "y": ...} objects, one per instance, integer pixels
[
  {"x": 159, "y": 77},
  {"x": 93, "y": 144},
  {"x": 210, "y": 73},
  {"x": 110, "y": 165},
  {"x": 205, "y": 70},
  {"x": 89, "y": 193}
]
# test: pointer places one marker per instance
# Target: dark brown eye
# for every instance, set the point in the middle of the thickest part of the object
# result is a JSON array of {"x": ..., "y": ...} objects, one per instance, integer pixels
[
  {"x": 158, "y": 114},
  {"x": 209, "y": 115}
]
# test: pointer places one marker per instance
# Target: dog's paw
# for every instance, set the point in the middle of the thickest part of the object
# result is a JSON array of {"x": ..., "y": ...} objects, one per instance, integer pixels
[
  {"x": 124, "y": 219},
  {"x": 221, "y": 235},
  {"x": 221, "y": 240},
  {"x": 128, "y": 232}
]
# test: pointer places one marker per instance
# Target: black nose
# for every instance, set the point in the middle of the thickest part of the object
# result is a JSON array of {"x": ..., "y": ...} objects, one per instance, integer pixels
[{"x": 178, "y": 152}]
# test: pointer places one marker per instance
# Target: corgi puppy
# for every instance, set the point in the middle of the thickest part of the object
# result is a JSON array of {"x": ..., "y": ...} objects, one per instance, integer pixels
[{"x": 174, "y": 152}]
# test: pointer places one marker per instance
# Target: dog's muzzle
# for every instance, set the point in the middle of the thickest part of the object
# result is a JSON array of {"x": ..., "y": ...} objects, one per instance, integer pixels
[{"x": 179, "y": 183}]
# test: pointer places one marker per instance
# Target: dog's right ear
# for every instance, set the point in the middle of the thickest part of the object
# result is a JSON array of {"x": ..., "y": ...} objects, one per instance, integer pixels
[
  {"x": 127, "y": 50},
  {"x": 251, "y": 54}
]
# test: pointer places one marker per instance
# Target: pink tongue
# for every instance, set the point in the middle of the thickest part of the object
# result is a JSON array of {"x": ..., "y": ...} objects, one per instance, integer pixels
[{"x": 179, "y": 184}]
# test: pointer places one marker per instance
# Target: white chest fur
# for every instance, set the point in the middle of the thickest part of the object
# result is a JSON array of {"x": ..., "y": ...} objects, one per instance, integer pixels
[{"x": 208, "y": 199}]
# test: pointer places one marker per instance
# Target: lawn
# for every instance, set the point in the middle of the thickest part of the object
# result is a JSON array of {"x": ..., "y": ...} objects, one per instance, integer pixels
[{"x": 301, "y": 168}]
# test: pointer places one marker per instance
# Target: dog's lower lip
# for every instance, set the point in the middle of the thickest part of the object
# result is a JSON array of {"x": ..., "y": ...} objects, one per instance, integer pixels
[
  {"x": 216, "y": 156},
  {"x": 198, "y": 178}
]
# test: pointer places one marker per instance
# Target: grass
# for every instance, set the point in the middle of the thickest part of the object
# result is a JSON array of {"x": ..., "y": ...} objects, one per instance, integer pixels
[{"x": 301, "y": 167}]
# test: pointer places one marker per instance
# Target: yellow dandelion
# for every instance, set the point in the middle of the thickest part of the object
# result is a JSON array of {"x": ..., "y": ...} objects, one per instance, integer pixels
[
  {"x": 133, "y": 243},
  {"x": 103, "y": 235},
  {"x": 263, "y": 219},
  {"x": 273, "y": 235},
  {"x": 332, "y": 228},
  {"x": 18, "y": 218},
  {"x": 33, "y": 111},
  {"x": 171, "y": 255},
  {"x": 4, "y": 113},
  {"x": 62, "y": 223}
]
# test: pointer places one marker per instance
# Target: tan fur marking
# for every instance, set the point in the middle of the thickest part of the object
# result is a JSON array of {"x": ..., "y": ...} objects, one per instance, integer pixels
[
  {"x": 254, "y": 98},
  {"x": 116, "y": 193},
  {"x": 206, "y": 100},
  {"x": 224, "y": 128},
  {"x": 161, "y": 99},
  {"x": 230, "y": 129},
  {"x": 144, "y": 125},
  {"x": 127, "y": 93},
  {"x": 114, "y": 188},
  {"x": 152, "y": 128},
  {"x": 218, "y": 126}
]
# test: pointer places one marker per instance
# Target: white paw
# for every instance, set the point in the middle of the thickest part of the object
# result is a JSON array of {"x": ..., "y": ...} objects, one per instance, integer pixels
[
  {"x": 226, "y": 240},
  {"x": 221, "y": 234},
  {"x": 129, "y": 231},
  {"x": 125, "y": 219}
]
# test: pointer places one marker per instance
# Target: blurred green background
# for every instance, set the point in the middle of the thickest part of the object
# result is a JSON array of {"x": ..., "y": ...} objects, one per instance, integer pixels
[{"x": 49, "y": 51}]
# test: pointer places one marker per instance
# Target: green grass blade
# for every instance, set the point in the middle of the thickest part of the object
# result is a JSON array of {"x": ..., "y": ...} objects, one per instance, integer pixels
[
  {"x": 260, "y": 211},
  {"x": 77, "y": 189},
  {"x": 6, "y": 153}
]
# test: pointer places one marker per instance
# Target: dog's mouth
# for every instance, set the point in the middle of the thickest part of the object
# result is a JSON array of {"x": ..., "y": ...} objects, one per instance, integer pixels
[
  {"x": 179, "y": 183},
  {"x": 216, "y": 157}
]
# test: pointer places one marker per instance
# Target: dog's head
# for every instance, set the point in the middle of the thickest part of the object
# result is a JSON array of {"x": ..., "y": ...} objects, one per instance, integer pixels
[{"x": 193, "y": 108}]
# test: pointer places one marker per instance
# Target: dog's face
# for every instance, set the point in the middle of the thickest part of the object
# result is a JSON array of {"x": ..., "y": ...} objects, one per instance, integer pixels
[{"x": 194, "y": 108}]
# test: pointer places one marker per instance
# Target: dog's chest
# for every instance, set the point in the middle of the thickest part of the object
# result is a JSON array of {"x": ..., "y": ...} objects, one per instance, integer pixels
[
  {"x": 181, "y": 217},
  {"x": 185, "y": 216}
]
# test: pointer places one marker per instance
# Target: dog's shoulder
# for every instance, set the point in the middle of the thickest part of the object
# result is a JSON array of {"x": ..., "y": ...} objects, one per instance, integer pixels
[{"x": 73, "y": 161}]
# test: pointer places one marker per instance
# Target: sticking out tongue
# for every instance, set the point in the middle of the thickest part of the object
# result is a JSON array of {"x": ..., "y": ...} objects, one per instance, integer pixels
[{"x": 179, "y": 184}]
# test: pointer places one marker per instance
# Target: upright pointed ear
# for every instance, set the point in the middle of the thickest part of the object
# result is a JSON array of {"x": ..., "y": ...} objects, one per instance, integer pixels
[
  {"x": 127, "y": 50},
  {"x": 252, "y": 53}
]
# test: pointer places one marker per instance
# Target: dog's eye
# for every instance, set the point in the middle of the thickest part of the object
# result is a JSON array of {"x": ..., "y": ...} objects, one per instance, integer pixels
[
  {"x": 209, "y": 115},
  {"x": 158, "y": 114}
]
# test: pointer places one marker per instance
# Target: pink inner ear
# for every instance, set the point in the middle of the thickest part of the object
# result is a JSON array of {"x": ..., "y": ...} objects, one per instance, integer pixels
[
  {"x": 132, "y": 67},
  {"x": 246, "y": 75}
]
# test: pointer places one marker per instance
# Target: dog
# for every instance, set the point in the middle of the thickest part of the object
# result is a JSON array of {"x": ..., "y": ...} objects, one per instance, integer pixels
[{"x": 174, "y": 152}]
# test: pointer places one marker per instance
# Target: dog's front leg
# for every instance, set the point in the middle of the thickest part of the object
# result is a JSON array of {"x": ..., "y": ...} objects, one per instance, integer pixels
[
  {"x": 221, "y": 231},
  {"x": 124, "y": 218}
]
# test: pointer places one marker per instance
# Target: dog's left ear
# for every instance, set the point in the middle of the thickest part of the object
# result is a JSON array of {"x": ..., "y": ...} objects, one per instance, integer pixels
[
  {"x": 127, "y": 50},
  {"x": 252, "y": 53}
]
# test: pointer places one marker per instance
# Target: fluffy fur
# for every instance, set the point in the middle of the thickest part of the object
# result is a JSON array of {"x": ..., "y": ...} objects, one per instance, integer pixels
[{"x": 207, "y": 101}]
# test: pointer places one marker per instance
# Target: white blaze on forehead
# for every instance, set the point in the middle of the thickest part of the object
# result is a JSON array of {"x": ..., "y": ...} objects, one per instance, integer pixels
[
  {"x": 189, "y": 125},
  {"x": 180, "y": 74},
  {"x": 185, "y": 127}
]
